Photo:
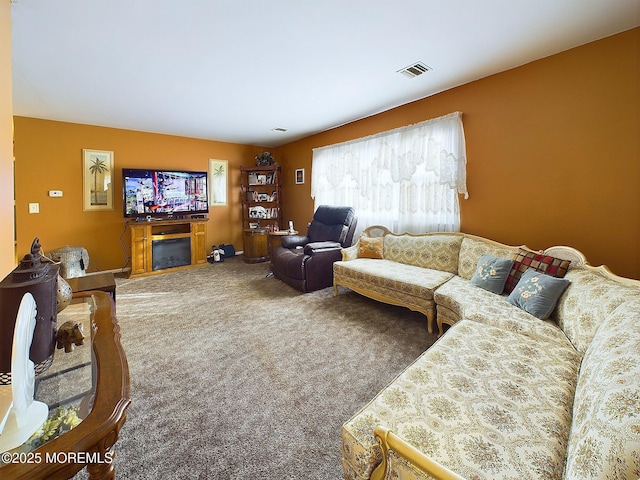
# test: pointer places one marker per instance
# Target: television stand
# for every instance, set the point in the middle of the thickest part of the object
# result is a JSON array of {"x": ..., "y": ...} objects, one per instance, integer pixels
[{"x": 166, "y": 245}]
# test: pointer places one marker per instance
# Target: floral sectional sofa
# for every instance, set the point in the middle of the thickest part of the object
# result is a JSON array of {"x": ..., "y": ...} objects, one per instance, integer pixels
[{"x": 538, "y": 381}]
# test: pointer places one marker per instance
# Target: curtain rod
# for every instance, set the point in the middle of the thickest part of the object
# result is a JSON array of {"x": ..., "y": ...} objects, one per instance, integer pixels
[{"x": 389, "y": 132}]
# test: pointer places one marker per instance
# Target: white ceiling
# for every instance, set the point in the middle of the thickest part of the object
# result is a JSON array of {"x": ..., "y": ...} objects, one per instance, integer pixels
[{"x": 235, "y": 70}]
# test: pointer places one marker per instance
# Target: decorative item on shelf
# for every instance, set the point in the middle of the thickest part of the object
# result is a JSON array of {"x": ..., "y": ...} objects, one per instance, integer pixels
[
  {"x": 257, "y": 212},
  {"x": 69, "y": 334},
  {"x": 40, "y": 279},
  {"x": 264, "y": 159}
]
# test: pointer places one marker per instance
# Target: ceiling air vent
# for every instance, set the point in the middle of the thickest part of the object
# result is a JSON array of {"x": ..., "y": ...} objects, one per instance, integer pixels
[{"x": 414, "y": 70}]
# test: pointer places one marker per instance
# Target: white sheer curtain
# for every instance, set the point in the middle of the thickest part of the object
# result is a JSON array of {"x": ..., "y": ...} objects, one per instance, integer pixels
[{"x": 407, "y": 179}]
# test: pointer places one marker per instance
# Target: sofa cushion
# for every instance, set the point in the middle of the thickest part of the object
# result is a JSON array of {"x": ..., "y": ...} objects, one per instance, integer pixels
[
  {"x": 484, "y": 402},
  {"x": 605, "y": 435},
  {"x": 370, "y": 247},
  {"x": 537, "y": 293},
  {"x": 589, "y": 299},
  {"x": 491, "y": 273},
  {"x": 474, "y": 303},
  {"x": 473, "y": 247},
  {"x": 437, "y": 251},
  {"x": 526, "y": 259},
  {"x": 383, "y": 276}
]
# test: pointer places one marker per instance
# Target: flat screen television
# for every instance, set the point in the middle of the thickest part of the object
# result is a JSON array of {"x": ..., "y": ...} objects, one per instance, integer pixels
[{"x": 164, "y": 193}]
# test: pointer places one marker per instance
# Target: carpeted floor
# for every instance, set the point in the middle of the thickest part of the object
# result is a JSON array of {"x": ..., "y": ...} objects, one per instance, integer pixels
[{"x": 238, "y": 376}]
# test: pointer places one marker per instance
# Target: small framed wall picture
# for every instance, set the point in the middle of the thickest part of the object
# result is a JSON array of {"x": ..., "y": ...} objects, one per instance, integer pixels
[
  {"x": 97, "y": 179},
  {"x": 218, "y": 173},
  {"x": 299, "y": 176}
]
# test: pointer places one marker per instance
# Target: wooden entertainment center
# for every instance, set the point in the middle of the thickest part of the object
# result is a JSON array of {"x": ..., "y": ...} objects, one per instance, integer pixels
[{"x": 159, "y": 246}]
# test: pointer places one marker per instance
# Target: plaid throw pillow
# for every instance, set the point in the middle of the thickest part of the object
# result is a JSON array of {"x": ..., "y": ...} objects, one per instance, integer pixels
[{"x": 556, "y": 267}]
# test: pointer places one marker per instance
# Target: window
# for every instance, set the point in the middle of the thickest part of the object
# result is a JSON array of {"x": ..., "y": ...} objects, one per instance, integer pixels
[{"x": 407, "y": 179}]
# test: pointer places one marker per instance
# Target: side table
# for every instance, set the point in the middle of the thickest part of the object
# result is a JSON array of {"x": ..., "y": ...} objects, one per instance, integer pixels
[
  {"x": 256, "y": 245},
  {"x": 104, "y": 282},
  {"x": 275, "y": 238}
]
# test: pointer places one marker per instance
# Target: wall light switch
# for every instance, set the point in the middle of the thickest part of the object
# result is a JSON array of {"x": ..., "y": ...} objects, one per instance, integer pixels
[
  {"x": 55, "y": 193},
  {"x": 34, "y": 208}
]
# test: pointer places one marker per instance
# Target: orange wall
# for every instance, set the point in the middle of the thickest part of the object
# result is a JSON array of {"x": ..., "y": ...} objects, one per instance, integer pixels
[
  {"x": 553, "y": 155},
  {"x": 49, "y": 157},
  {"x": 553, "y": 158},
  {"x": 7, "y": 249}
]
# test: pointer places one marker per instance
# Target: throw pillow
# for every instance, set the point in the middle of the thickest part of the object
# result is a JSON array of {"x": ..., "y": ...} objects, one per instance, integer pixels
[
  {"x": 537, "y": 293},
  {"x": 370, "y": 247},
  {"x": 525, "y": 259},
  {"x": 491, "y": 273}
]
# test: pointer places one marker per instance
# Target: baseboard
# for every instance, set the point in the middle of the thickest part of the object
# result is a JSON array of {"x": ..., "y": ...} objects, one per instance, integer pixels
[{"x": 114, "y": 271}]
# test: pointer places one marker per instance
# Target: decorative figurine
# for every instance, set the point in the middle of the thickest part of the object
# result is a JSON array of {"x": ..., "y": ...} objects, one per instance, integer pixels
[
  {"x": 69, "y": 334},
  {"x": 40, "y": 279}
]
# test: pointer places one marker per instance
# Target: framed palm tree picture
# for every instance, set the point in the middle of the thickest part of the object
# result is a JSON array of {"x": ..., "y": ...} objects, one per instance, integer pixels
[
  {"x": 97, "y": 178},
  {"x": 218, "y": 178}
]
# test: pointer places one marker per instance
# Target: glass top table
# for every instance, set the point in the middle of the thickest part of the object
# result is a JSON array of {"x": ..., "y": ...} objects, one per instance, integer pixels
[{"x": 87, "y": 392}]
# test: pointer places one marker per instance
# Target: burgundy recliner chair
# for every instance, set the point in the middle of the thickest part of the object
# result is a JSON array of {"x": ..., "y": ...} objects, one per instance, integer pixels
[{"x": 306, "y": 261}]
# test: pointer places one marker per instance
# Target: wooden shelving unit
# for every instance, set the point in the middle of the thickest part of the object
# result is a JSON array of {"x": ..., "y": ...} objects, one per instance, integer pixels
[
  {"x": 261, "y": 192},
  {"x": 260, "y": 189}
]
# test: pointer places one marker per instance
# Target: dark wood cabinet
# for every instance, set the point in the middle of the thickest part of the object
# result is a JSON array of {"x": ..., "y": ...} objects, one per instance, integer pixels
[{"x": 256, "y": 245}]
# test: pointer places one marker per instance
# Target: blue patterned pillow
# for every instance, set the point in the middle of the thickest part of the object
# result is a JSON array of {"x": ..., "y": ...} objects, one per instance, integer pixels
[
  {"x": 537, "y": 293},
  {"x": 491, "y": 273}
]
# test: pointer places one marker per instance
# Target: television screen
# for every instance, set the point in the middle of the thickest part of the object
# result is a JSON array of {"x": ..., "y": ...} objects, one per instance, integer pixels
[{"x": 164, "y": 192}]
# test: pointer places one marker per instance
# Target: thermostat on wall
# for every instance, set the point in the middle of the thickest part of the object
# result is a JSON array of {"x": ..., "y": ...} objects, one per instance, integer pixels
[{"x": 55, "y": 193}]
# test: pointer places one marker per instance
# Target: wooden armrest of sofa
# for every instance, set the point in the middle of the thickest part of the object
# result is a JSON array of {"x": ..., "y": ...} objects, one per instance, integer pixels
[{"x": 390, "y": 441}]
